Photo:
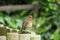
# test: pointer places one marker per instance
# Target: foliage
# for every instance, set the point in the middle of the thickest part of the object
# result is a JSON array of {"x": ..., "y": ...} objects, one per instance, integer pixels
[{"x": 47, "y": 18}]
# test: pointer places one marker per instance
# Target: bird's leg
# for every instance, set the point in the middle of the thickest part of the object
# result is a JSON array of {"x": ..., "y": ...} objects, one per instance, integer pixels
[{"x": 28, "y": 31}]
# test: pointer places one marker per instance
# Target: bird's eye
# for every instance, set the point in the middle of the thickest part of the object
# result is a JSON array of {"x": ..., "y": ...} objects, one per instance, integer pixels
[{"x": 29, "y": 17}]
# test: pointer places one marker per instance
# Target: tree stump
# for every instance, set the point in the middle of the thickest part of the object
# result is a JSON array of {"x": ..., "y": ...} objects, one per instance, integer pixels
[{"x": 12, "y": 36}]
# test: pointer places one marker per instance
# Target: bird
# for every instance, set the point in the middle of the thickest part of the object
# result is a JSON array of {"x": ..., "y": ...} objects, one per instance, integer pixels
[{"x": 27, "y": 23}]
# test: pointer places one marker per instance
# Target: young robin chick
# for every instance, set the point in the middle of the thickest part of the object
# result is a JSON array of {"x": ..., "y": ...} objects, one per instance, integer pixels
[{"x": 27, "y": 24}]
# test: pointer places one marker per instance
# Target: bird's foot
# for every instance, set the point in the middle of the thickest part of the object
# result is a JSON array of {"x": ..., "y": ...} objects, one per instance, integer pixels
[{"x": 28, "y": 32}]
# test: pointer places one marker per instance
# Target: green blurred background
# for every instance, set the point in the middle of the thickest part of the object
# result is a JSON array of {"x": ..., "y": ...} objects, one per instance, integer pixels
[{"x": 46, "y": 19}]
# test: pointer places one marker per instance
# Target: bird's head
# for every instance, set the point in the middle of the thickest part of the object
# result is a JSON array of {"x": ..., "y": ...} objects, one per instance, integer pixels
[{"x": 29, "y": 17}]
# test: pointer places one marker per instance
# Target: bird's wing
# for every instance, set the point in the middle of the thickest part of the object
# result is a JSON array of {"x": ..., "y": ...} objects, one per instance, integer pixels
[{"x": 24, "y": 25}]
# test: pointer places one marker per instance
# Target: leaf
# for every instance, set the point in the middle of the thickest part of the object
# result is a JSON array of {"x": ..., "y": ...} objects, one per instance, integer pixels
[
  {"x": 1, "y": 20},
  {"x": 58, "y": 1},
  {"x": 40, "y": 21},
  {"x": 19, "y": 22},
  {"x": 51, "y": 0},
  {"x": 57, "y": 35},
  {"x": 42, "y": 30},
  {"x": 1, "y": 14},
  {"x": 11, "y": 22},
  {"x": 53, "y": 6},
  {"x": 23, "y": 12}
]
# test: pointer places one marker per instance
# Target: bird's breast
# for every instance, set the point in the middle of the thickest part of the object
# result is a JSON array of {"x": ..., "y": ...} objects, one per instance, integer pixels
[{"x": 29, "y": 24}]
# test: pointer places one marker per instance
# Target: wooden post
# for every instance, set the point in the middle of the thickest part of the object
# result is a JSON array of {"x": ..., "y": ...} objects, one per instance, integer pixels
[
  {"x": 12, "y": 36},
  {"x": 2, "y": 37},
  {"x": 3, "y": 30},
  {"x": 18, "y": 7},
  {"x": 24, "y": 36},
  {"x": 36, "y": 37}
]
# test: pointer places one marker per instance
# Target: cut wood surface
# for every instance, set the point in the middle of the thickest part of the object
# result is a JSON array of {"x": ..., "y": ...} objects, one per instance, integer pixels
[
  {"x": 2, "y": 37},
  {"x": 29, "y": 37},
  {"x": 36, "y": 37},
  {"x": 3, "y": 31},
  {"x": 24, "y": 36},
  {"x": 12, "y": 36},
  {"x": 18, "y": 7}
]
